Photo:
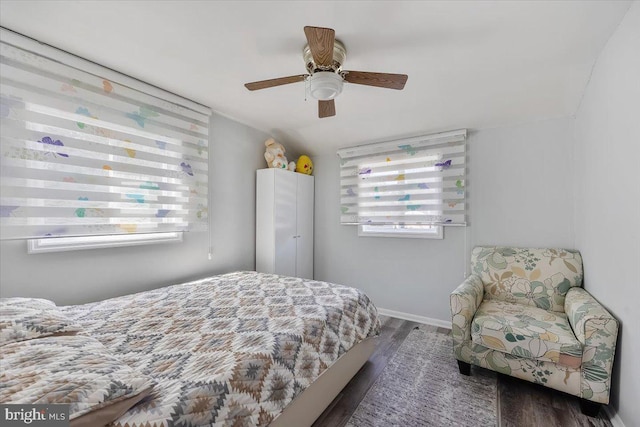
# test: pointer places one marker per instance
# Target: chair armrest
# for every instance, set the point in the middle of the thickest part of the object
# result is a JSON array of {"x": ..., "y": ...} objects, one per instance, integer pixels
[
  {"x": 597, "y": 330},
  {"x": 464, "y": 302},
  {"x": 587, "y": 316}
]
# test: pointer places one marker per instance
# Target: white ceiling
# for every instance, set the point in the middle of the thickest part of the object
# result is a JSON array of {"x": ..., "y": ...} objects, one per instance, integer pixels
[{"x": 470, "y": 64}]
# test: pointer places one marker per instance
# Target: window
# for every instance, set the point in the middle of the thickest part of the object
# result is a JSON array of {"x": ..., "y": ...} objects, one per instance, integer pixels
[
  {"x": 89, "y": 152},
  {"x": 405, "y": 188}
]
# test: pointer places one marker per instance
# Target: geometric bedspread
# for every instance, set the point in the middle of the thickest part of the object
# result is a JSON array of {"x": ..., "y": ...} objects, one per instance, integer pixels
[{"x": 229, "y": 350}]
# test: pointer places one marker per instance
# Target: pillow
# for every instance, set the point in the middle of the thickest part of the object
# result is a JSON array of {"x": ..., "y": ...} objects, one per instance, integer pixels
[
  {"x": 29, "y": 318},
  {"x": 76, "y": 370}
]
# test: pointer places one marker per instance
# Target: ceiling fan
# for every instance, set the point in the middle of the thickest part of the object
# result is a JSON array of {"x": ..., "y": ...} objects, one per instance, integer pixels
[{"x": 324, "y": 56}]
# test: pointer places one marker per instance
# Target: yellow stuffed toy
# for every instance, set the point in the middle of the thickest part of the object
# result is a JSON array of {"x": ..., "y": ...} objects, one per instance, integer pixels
[{"x": 304, "y": 165}]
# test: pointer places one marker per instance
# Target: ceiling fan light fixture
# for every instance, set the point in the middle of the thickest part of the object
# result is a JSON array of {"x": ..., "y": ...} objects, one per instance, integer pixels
[{"x": 325, "y": 85}]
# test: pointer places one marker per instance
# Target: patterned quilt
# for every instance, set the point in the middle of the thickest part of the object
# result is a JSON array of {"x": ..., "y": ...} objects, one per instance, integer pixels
[{"x": 230, "y": 350}]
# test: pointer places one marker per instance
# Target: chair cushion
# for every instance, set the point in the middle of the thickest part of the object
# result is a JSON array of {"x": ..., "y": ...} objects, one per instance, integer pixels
[
  {"x": 529, "y": 276},
  {"x": 526, "y": 331}
]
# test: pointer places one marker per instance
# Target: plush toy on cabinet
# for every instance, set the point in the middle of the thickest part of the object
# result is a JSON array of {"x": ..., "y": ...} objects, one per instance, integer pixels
[
  {"x": 274, "y": 155},
  {"x": 304, "y": 165}
]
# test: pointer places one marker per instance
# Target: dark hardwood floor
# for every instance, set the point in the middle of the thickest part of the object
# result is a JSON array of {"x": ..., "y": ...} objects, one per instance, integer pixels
[
  {"x": 520, "y": 403},
  {"x": 525, "y": 404}
]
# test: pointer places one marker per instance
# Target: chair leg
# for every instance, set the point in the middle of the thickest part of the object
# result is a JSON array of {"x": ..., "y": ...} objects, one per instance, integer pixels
[
  {"x": 590, "y": 408},
  {"x": 465, "y": 368}
]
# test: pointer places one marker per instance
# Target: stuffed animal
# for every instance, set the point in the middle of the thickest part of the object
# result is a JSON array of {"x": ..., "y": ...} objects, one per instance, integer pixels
[
  {"x": 274, "y": 155},
  {"x": 305, "y": 165}
]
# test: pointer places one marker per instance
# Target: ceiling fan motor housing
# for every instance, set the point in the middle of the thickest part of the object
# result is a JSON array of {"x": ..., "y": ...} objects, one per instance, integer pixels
[{"x": 339, "y": 55}]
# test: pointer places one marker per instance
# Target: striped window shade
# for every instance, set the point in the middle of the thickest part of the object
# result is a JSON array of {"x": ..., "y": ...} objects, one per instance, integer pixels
[
  {"x": 83, "y": 154},
  {"x": 416, "y": 181}
]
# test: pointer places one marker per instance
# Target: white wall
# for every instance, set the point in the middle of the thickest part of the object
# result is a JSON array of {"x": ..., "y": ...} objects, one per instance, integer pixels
[
  {"x": 520, "y": 193},
  {"x": 607, "y": 207},
  {"x": 81, "y": 276}
]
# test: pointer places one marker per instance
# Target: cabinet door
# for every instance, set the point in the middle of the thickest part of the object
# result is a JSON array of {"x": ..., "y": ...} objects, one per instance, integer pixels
[
  {"x": 304, "y": 242},
  {"x": 285, "y": 223}
]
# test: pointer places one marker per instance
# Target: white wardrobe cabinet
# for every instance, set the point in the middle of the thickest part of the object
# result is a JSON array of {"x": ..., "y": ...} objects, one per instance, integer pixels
[{"x": 284, "y": 223}]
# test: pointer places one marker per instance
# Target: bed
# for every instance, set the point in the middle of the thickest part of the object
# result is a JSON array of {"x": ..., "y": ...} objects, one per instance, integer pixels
[{"x": 239, "y": 349}]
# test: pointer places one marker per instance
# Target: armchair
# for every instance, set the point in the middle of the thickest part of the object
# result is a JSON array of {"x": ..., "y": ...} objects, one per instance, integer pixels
[{"x": 522, "y": 312}]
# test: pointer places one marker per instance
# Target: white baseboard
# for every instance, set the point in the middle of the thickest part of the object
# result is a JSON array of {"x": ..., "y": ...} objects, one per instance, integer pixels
[
  {"x": 615, "y": 419},
  {"x": 415, "y": 318}
]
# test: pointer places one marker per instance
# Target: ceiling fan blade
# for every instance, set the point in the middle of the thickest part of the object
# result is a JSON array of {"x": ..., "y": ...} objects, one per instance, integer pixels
[
  {"x": 389, "y": 81},
  {"x": 321, "y": 41},
  {"x": 263, "y": 84},
  {"x": 326, "y": 108}
]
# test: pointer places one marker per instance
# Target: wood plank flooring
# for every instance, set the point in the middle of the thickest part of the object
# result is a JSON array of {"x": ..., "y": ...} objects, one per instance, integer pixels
[
  {"x": 520, "y": 403},
  {"x": 526, "y": 404}
]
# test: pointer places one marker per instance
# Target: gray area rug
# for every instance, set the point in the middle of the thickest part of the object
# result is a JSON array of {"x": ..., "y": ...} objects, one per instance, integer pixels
[{"x": 421, "y": 386}]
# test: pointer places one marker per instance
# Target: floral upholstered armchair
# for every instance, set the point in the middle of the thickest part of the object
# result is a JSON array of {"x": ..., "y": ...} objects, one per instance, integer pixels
[{"x": 522, "y": 312}]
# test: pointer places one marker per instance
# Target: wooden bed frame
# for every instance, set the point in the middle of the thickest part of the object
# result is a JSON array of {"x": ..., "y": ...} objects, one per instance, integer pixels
[{"x": 308, "y": 406}]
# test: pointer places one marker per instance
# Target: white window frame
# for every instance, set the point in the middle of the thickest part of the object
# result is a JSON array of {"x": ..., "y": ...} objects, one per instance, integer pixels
[
  {"x": 63, "y": 244},
  {"x": 401, "y": 231}
]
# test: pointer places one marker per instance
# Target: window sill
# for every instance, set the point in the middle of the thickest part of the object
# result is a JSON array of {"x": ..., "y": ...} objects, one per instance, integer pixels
[
  {"x": 430, "y": 232},
  {"x": 62, "y": 244}
]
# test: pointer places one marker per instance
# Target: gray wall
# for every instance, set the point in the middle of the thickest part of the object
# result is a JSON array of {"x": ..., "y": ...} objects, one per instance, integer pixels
[
  {"x": 520, "y": 193},
  {"x": 82, "y": 276},
  {"x": 607, "y": 208}
]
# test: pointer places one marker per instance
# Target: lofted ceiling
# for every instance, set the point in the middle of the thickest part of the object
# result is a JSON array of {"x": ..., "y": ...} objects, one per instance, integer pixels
[{"x": 473, "y": 64}]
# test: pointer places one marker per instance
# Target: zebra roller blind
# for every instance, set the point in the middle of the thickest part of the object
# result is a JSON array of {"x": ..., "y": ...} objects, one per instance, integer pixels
[
  {"x": 415, "y": 181},
  {"x": 85, "y": 155}
]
